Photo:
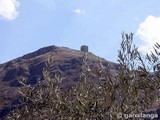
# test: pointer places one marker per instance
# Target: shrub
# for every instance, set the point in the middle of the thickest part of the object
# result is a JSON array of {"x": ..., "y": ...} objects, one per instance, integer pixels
[{"x": 133, "y": 88}]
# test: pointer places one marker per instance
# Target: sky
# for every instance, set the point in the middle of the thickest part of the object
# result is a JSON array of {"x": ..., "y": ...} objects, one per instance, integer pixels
[{"x": 27, "y": 25}]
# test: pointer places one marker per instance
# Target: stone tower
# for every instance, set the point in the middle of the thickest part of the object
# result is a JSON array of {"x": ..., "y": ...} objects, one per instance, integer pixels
[{"x": 84, "y": 48}]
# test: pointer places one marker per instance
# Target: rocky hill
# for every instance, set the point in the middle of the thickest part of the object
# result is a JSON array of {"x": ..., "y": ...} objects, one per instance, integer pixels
[
  {"x": 30, "y": 66},
  {"x": 67, "y": 62}
]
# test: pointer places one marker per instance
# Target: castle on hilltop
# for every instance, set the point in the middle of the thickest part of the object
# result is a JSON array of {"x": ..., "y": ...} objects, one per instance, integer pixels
[{"x": 84, "y": 48}]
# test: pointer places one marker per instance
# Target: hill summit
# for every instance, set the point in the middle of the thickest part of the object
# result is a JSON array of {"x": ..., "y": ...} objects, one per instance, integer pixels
[{"x": 30, "y": 67}]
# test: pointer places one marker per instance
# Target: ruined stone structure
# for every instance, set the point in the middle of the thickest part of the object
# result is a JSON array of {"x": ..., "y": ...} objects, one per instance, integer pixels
[{"x": 84, "y": 48}]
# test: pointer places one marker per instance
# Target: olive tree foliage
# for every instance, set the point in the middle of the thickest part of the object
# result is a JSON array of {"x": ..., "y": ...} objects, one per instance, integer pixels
[{"x": 132, "y": 88}]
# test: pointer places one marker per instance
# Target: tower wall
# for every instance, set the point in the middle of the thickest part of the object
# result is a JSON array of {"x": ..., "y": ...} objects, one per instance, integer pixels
[{"x": 84, "y": 48}]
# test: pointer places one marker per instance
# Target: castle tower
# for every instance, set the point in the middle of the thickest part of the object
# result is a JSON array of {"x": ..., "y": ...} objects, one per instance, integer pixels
[{"x": 84, "y": 48}]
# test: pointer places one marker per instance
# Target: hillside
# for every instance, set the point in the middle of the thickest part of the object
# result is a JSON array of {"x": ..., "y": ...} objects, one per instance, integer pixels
[{"x": 30, "y": 66}]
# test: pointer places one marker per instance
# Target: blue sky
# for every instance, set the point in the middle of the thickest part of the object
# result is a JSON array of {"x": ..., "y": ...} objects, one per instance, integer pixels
[{"x": 27, "y": 25}]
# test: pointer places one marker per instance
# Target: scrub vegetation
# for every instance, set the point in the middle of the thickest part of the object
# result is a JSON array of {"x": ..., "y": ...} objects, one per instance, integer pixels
[{"x": 133, "y": 88}]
